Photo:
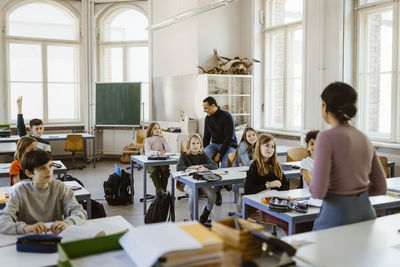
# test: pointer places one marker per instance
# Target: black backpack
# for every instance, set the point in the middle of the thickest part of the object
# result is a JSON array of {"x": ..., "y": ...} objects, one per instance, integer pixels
[
  {"x": 159, "y": 208},
  {"x": 97, "y": 209},
  {"x": 117, "y": 189}
]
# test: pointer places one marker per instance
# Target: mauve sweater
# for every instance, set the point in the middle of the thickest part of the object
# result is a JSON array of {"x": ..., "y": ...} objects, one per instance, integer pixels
[{"x": 346, "y": 164}]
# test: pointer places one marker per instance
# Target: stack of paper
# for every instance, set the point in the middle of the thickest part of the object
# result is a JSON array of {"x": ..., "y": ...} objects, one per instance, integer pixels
[
  {"x": 181, "y": 244},
  {"x": 294, "y": 194}
]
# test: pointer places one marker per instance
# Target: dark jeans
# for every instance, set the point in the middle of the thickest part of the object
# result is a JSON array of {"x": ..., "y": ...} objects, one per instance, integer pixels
[{"x": 159, "y": 175}]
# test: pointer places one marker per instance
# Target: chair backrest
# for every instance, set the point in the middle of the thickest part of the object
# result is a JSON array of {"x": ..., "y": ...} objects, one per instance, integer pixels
[
  {"x": 296, "y": 154},
  {"x": 74, "y": 142},
  {"x": 183, "y": 146},
  {"x": 384, "y": 162},
  {"x": 231, "y": 157},
  {"x": 140, "y": 136}
]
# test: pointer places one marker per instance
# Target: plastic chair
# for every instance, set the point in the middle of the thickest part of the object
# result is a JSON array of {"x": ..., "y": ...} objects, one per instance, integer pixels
[
  {"x": 296, "y": 154},
  {"x": 384, "y": 162},
  {"x": 74, "y": 143}
]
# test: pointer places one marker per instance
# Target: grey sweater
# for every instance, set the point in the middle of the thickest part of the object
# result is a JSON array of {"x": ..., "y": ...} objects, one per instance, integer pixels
[{"x": 28, "y": 205}]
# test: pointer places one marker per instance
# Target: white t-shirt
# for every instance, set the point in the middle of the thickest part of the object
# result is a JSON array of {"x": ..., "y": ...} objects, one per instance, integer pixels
[{"x": 307, "y": 164}]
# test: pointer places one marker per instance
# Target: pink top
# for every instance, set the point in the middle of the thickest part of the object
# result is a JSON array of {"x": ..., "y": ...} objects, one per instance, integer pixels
[
  {"x": 154, "y": 144},
  {"x": 346, "y": 164}
]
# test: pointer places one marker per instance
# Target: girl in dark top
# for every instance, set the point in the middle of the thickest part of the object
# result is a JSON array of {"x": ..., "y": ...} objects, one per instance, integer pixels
[
  {"x": 194, "y": 158},
  {"x": 265, "y": 172}
]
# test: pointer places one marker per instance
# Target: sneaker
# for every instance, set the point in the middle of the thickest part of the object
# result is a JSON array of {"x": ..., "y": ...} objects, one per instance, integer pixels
[
  {"x": 218, "y": 200},
  {"x": 204, "y": 215}
]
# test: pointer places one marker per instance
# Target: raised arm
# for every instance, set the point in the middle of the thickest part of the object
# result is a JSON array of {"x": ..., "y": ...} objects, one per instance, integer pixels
[{"x": 20, "y": 119}]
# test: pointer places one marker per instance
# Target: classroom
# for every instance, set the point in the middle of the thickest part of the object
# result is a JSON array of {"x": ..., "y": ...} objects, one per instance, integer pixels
[{"x": 267, "y": 126}]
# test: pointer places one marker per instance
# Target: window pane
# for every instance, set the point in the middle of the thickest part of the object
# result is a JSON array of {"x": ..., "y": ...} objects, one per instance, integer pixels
[
  {"x": 32, "y": 94},
  {"x": 61, "y": 63},
  {"x": 275, "y": 103},
  {"x": 285, "y": 11},
  {"x": 375, "y": 71},
  {"x": 42, "y": 21},
  {"x": 138, "y": 64},
  {"x": 62, "y": 101},
  {"x": 127, "y": 25},
  {"x": 113, "y": 64},
  {"x": 363, "y": 2},
  {"x": 294, "y": 82},
  {"x": 25, "y": 62}
]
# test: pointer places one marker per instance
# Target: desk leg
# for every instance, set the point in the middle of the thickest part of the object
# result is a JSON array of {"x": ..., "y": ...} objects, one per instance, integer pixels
[
  {"x": 65, "y": 176},
  {"x": 94, "y": 154},
  {"x": 144, "y": 190},
  {"x": 132, "y": 187},
  {"x": 85, "y": 154},
  {"x": 244, "y": 209},
  {"x": 173, "y": 195},
  {"x": 291, "y": 228},
  {"x": 89, "y": 208},
  {"x": 195, "y": 204},
  {"x": 392, "y": 171}
]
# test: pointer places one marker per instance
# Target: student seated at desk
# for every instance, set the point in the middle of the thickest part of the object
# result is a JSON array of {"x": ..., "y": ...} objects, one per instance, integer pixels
[
  {"x": 36, "y": 128},
  {"x": 245, "y": 151},
  {"x": 42, "y": 200},
  {"x": 195, "y": 158},
  {"x": 155, "y": 145},
  {"x": 346, "y": 169},
  {"x": 24, "y": 145},
  {"x": 306, "y": 165}
]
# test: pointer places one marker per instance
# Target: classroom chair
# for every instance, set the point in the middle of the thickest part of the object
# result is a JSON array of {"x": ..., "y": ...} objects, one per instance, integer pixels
[
  {"x": 74, "y": 143},
  {"x": 296, "y": 154},
  {"x": 183, "y": 149},
  {"x": 384, "y": 162}
]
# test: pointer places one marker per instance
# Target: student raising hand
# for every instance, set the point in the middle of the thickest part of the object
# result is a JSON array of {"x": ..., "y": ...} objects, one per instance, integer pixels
[
  {"x": 36, "y": 228},
  {"x": 58, "y": 226}
]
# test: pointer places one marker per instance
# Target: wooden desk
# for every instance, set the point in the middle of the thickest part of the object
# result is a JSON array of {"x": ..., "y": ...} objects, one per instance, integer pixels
[
  {"x": 293, "y": 218},
  {"x": 59, "y": 137},
  {"x": 10, "y": 257},
  {"x": 370, "y": 243},
  {"x": 144, "y": 162},
  {"x": 5, "y": 169}
]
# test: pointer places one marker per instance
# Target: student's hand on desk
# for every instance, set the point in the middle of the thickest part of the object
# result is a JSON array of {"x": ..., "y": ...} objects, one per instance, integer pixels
[
  {"x": 58, "y": 226},
  {"x": 217, "y": 157},
  {"x": 202, "y": 168},
  {"x": 36, "y": 228},
  {"x": 161, "y": 152}
]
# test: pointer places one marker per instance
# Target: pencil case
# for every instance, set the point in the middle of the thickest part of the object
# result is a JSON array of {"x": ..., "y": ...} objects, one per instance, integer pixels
[
  {"x": 158, "y": 157},
  {"x": 41, "y": 243}
]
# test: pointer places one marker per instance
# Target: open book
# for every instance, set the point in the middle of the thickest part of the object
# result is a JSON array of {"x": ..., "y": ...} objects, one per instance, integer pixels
[
  {"x": 294, "y": 194},
  {"x": 182, "y": 244},
  {"x": 73, "y": 233}
]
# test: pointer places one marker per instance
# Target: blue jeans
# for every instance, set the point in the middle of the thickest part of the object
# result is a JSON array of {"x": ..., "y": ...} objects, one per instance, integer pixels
[{"x": 211, "y": 150}]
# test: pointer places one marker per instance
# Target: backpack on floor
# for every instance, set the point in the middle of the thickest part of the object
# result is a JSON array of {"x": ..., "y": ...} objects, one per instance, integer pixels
[
  {"x": 159, "y": 208},
  {"x": 96, "y": 207},
  {"x": 117, "y": 189}
]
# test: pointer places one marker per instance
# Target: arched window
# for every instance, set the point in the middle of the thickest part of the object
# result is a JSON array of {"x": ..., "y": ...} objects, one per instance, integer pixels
[
  {"x": 123, "y": 49},
  {"x": 42, "y": 46}
]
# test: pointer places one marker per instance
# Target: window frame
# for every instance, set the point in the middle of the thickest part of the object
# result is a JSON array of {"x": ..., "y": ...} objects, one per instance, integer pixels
[
  {"x": 362, "y": 120},
  {"x": 125, "y": 45},
  {"x": 286, "y": 28},
  {"x": 44, "y": 43}
]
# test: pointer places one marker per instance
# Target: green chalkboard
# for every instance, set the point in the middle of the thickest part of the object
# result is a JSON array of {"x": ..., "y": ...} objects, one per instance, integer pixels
[{"x": 118, "y": 104}]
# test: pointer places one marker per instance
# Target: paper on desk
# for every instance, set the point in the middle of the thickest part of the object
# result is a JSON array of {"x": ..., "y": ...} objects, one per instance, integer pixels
[
  {"x": 314, "y": 202},
  {"x": 113, "y": 258},
  {"x": 73, "y": 233},
  {"x": 145, "y": 244},
  {"x": 292, "y": 194}
]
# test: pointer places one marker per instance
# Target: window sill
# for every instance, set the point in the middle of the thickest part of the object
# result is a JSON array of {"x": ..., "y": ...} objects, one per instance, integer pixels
[
  {"x": 386, "y": 145},
  {"x": 280, "y": 133}
]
